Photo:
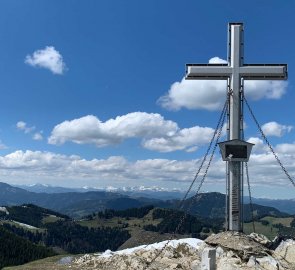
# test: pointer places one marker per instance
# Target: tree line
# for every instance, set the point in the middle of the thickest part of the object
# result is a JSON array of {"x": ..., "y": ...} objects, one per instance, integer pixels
[
  {"x": 15, "y": 250},
  {"x": 73, "y": 237},
  {"x": 128, "y": 213},
  {"x": 190, "y": 224}
]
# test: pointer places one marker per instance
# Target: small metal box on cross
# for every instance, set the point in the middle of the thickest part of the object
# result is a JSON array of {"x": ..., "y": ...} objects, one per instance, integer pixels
[
  {"x": 235, "y": 71},
  {"x": 235, "y": 150}
]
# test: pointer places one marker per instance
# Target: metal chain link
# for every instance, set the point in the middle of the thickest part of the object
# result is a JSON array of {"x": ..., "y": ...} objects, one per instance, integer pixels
[
  {"x": 218, "y": 126},
  {"x": 218, "y": 131},
  {"x": 250, "y": 196},
  {"x": 269, "y": 145}
]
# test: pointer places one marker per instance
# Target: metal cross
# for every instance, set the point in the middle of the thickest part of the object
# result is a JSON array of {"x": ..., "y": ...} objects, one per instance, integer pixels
[{"x": 235, "y": 72}]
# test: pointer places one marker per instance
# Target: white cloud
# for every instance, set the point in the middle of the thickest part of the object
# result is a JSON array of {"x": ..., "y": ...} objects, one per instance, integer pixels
[
  {"x": 60, "y": 169},
  {"x": 210, "y": 95},
  {"x": 286, "y": 148},
  {"x": 156, "y": 132},
  {"x": 21, "y": 125},
  {"x": 38, "y": 136},
  {"x": 259, "y": 146},
  {"x": 190, "y": 94},
  {"x": 34, "y": 164},
  {"x": 275, "y": 129},
  {"x": 187, "y": 139},
  {"x": 2, "y": 146},
  {"x": 217, "y": 60},
  {"x": 48, "y": 58}
]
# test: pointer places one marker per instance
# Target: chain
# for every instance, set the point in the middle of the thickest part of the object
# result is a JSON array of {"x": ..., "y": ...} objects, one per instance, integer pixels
[
  {"x": 218, "y": 126},
  {"x": 269, "y": 145},
  {"x": 250, "y": 196},
  {"x": 218, "y": 131}
]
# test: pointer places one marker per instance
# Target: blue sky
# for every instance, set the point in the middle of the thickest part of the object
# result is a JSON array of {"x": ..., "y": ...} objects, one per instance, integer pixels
[{"x": 92, "y": 91}]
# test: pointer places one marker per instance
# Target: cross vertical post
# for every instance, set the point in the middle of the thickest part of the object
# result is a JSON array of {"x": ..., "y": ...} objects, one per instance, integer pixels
[
  {"x": 235, "y": 181},
  {"x": 235, "y": 71}
]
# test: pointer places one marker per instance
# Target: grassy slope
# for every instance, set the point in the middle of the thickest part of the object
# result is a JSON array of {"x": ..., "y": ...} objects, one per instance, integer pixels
[
  {"x": 268, "y": 230},
  {"x": 134, "y": 224},
  {"x": 45, "y": 264}
]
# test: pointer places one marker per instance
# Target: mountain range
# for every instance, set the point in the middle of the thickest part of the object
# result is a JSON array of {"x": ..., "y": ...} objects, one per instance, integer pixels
[
  {"x": 78, "y": 204},
  {"x": 158, "y": 193}
]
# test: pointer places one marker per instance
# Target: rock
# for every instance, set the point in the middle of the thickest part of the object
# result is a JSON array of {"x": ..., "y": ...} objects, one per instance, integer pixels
[
  {"x": 241, "y": 244},
  {"x": 229, "y": 263},
  {"x": 235, "y": 251},
  {"x": 176, "y": 257},
  {"x": 268, "y": 263},
  {"x": 66, "y": 260},
  {"x": 260, "y": 238},
  {"x": 286, "y": 250},
  {"x": 219, "y": 252},
  {"x": 252, "y": 262}
]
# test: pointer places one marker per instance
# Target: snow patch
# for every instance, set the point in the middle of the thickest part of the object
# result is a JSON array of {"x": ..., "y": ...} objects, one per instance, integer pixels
[
  {"x": 25, "y": 225},
  {"x": 3, "y": 209},
  {"x": 193, "y": 242}
]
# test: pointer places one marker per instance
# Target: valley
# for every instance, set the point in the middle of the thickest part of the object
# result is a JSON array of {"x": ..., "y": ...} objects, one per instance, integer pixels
[{"x": 121, "y": 222}]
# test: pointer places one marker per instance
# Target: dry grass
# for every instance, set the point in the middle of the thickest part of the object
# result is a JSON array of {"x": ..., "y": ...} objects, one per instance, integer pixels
[
  {"x": 50, "y": 263},
  {"x": 267, "y": 230},
  {"x": 285, "y": 221}
]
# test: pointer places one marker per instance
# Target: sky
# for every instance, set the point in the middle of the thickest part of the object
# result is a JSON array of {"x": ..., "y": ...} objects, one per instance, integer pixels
[{"x": 93, "y": 92}]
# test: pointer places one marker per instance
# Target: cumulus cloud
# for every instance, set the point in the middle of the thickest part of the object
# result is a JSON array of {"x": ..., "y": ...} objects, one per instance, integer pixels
[
  {"x": 183, "y": 139},
  {"x": 21, "y": 125},
  {"x": 259, "y": 146},
  {"x": 38, "y": 136},
  {"x": 275, "y": 129},
  {"x": 48, "y": 58},
  {"x": 156, "y": 133},
  {"x": 286, "y": 148},
  {"x": 210, "y": 94}
]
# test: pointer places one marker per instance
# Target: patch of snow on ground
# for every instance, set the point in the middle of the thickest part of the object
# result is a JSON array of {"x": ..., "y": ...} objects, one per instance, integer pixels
[
  {"x": 25, "y": 225},
  {"x": 193, "y": 242},
  {"x": 3, "y": 209}
]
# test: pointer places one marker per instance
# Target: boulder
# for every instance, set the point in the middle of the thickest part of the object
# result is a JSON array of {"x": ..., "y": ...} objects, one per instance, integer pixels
[
  {"x": 242, "y": 245},
  {"x": 260, "y": 238},
  {"x": 286, "y": 251}
]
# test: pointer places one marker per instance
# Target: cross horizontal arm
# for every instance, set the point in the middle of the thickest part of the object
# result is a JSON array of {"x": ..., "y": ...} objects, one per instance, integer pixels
[
  {"x": 264, "y": 72},
  {"x": 207, "y": 71}
]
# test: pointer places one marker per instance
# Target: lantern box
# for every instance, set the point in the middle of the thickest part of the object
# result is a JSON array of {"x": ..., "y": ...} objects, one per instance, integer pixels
[{"x": 235, "y": 150}]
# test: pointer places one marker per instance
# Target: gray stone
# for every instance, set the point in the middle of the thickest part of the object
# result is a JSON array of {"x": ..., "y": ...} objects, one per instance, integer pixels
[
  {"x": 241, "y": 244},
  {"x": 260, "y": 238},
  {"x": 286, "y": 251},
  {"x": 66, "y": 260}
]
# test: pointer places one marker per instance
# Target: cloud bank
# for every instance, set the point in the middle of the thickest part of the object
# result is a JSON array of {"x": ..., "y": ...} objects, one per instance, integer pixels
[{"x": 48, "y": 166}]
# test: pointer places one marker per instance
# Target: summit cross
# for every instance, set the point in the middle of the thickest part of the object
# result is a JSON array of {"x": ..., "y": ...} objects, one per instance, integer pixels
[{"x": 235, "y": 72}]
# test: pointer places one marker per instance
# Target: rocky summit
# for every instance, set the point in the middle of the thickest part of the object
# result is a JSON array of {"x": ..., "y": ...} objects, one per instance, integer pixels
[{"x": 234, "y": 251}]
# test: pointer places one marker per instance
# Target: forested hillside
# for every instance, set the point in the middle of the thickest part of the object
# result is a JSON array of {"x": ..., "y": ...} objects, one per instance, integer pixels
[{"x": 15, "y": 250}]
